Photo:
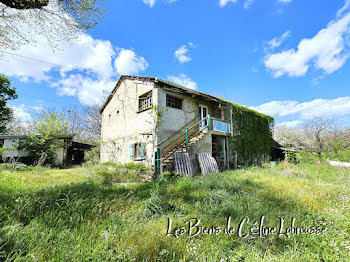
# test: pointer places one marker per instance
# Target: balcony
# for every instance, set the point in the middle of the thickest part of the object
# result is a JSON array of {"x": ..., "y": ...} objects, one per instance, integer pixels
[{"x": 219, "y": 125}]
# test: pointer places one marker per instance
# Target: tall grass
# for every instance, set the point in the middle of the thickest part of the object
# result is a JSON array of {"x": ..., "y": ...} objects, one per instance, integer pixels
[{"x": 75, "y": 215}]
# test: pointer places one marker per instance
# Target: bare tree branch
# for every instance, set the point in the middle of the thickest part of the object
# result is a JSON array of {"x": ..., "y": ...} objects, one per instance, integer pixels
[{"x": 53, "y": 19}]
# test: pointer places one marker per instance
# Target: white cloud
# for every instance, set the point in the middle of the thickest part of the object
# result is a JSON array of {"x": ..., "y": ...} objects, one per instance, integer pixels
[
  {"x": 83, "y": 53},
  {"x": 285, "y": 1},
  {"x": 248, "y": 3},
  {"x": 325, "y": 51},
  {"x": 315, "y": 108},
  {"x": 277, "y": 41},
  {"x": 89, "y": 91},
  {"x": 21, "y": 113},
  {"x": 316, "y": 80},
  {"x": 83, "y": 67},
  {"x": 222, "y": 3},
  {"x": 183, "y": 80},
  {"x": 88, "y": 65},
  {"x": 289, "y": 124},
  {"x": 344, "y": 8},
  {"x": 180, "y": 53},
  {"x": 128, "y": 63},
  {"x": 151, "y": 3}
]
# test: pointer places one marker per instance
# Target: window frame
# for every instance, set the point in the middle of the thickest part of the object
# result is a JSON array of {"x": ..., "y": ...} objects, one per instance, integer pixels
[
  {"x": 137, "y": 151},
  {"x": 147, "y": 100},
  {"x": 175, "y": 100}
]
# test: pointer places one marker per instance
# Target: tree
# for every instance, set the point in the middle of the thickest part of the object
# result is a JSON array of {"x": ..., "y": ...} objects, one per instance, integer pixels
[
  {"x": 22, "y": 20},
  {"x": 7, "y": 92},
  {"x": 317, "y": 132},
  {"x": 72, "y": 115},
  {"x": 45, "y": 138},
  {"x": 337, "y": 140},
  {"x": 320, "y": 135},
  {"x": 18, "y": 127},
  {"x": 84, "y": 122},
  {"x": 93, "y": 121},
  {"x": 292, "y": 138}
]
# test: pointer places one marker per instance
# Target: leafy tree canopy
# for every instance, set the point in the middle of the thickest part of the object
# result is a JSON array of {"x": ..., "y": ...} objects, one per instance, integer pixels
[
  {"x": 45, "y": 138},
  {"x": 7, "y": 92}
]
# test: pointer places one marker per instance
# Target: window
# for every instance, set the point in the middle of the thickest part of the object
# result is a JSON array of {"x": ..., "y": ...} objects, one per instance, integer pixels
[
  {"x": 173, "y": 102},
  {"x": 145, "y": 101},
  {"x": 137, "y": 151}
]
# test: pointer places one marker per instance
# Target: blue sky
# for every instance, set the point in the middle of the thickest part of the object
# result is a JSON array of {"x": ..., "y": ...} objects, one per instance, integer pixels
[{"x": 285, "y": 58}]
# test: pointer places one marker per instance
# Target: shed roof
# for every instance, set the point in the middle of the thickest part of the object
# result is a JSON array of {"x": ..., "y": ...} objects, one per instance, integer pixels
[
  {"x": 74, "y": 143},
  {"x": 12, "y": 136},
  {"x": 24, "y": 136}
]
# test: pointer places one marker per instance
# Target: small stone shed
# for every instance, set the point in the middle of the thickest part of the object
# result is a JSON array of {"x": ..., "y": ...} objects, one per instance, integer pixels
[{"x": 72, "y": 152}]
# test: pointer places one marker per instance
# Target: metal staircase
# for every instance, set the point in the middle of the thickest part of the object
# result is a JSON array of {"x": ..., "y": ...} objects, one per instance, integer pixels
[{"x": 180, "y": 141}]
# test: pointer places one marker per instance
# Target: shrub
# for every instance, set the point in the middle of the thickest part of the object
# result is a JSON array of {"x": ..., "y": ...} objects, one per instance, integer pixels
[
  {"x": 168, "y": 176},
  {"x": 13, "y": 166},
  {"x": 92, "y": 157},
  {"x": 46, "y": 137}
]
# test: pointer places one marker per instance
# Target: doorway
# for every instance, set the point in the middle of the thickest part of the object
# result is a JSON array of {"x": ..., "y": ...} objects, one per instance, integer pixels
[
  {"x": 219, "y": 151},
  {"x": 203, "y": 113}
]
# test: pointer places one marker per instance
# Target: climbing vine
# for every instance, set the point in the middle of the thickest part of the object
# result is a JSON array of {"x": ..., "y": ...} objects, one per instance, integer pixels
[
  {"x": 251, "y": 143},
  {"x": 243, "y": 109},
  {"x": 156, "y": 113}
]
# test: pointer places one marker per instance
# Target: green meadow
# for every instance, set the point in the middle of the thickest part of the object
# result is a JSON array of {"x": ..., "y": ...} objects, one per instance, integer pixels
[{"x": 110, "y": 213}]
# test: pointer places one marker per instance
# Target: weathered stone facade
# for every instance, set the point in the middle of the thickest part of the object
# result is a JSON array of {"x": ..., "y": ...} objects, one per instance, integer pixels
[
  {"x": 123, "y": 124},
  {"x": 126, "y": 128}
]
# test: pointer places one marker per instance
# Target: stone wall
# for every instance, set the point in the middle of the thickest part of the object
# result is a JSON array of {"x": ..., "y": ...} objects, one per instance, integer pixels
[{"x": 123, "y": 124}]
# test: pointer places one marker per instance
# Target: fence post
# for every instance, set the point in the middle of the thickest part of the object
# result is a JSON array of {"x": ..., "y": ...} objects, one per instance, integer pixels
[
  {"x": 186, "y": 138},
  {"x": 158, "y": 161},
  {"x": 208, "y": 122}
]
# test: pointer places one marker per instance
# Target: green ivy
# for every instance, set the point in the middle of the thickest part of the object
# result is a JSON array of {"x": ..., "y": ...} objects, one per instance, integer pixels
[
  {"x": 244, "y": 109},
  {"x": 251, "y": 143}
]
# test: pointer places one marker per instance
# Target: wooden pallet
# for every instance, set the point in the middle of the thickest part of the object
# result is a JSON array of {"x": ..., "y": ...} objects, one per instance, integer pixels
[
  {"x": 183, "y": 164},
  {"x": 207, "y": 163}
]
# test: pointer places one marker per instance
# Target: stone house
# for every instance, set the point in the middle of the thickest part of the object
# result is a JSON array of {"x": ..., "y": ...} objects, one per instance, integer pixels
[{"x": 147, "y": 119}]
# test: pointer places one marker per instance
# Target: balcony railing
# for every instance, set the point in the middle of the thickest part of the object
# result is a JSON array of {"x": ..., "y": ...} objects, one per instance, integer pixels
[
  {"x": 221, "y": 125},
  {"x": 183, "y": 136}
]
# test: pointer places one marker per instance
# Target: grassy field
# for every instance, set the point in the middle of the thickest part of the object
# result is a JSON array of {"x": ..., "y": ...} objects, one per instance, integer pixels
[{"x": 102, "y": 213}]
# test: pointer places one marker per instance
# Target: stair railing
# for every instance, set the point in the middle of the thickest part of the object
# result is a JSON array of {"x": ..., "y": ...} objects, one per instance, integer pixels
[
  {"x": 178, "y": 131},
  {"x": 158, "y": 154}
]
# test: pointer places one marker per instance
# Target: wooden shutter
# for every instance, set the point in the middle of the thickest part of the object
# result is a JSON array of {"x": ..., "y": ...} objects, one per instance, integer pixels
[
  {"x": 142, "y": 151},
  {"x": 131, "y": 151}
]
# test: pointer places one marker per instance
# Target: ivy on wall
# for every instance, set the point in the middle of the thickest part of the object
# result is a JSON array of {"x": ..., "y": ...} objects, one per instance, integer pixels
[{"x": 251, "y": 143}]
